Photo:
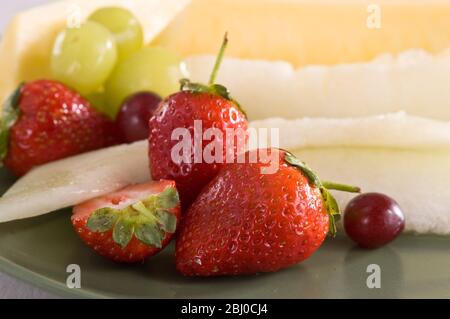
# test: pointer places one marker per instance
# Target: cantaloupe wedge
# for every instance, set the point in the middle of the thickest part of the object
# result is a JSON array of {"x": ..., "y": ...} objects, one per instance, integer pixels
[
  {"x": 27, "y": 41},
  {"x": 306, "y": 32},
  {"x": 405, "y": 157},
  {"x": 413, "y": 81}
]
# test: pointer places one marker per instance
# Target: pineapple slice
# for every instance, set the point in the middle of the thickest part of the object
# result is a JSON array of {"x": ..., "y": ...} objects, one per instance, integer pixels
[{"x": 27, "y": 42}]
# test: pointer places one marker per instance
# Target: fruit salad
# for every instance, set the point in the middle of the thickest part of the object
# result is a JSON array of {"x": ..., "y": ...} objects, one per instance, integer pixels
[{"x": 151, "y": 138}]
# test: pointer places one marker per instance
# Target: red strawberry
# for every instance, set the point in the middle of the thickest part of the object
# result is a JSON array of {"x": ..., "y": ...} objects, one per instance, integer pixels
[
  {"x": 45, "y": 121},
  {"x": 131, "y": 224},
  {"x": 246, "y": 221},
  {"x": 213, "y": 107}
]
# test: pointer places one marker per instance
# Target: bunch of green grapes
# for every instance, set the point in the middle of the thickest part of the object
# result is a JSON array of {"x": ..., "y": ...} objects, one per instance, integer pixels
[{"x": 104, "y": 59}]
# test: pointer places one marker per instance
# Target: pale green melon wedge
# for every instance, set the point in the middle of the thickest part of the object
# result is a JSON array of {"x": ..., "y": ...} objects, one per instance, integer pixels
[{"x": 75, "y": 179}]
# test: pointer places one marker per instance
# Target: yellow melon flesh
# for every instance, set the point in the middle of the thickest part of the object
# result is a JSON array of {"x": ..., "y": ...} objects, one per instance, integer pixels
[
  {"x": 27, "y": 42},
  {"x": 309, "y": 31}
]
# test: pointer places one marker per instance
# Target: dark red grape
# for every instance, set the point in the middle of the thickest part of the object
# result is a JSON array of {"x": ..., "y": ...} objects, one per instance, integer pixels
[
  {"x": 373, "y": 220},
  {"x": 134, "y": 115}
]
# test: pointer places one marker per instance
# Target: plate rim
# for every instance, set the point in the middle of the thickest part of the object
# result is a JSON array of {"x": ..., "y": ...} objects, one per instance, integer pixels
[{"x": 43, "y": 282}]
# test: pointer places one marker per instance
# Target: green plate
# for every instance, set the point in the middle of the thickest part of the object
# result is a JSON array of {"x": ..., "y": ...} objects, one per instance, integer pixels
[{"x": 38, "y": 250}]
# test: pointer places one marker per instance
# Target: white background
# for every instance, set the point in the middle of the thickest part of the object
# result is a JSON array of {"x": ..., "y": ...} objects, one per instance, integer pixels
[{"x": 8, "y": 8}]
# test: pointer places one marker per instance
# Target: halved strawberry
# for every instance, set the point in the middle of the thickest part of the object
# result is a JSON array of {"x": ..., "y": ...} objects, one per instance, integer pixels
[{"x": 131, "y": 224}]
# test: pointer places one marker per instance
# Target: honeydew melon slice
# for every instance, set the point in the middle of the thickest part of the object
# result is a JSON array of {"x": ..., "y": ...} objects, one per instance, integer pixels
[
  {"x": 414, "y": 81},
  {"x": 403, "y": 156},
  {"x": 75, "y": 179},
  {"x": 27, "y": 41},
  {"x": 394, "y": 130}
]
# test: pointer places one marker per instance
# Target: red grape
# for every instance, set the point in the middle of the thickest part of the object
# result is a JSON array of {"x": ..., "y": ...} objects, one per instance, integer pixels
[
  {"x": 135, "y": 113},
  {"x": 373, "y": 220}
]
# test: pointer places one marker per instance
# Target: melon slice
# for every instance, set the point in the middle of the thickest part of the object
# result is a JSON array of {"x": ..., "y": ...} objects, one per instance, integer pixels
[
  {"x": 27, "y": 41},
  {"x": 395, "y": 131},
  {"x": 414, "y": 81},
  {"x": 75, "y": 179},
  {"x": 306, "y": 32}
]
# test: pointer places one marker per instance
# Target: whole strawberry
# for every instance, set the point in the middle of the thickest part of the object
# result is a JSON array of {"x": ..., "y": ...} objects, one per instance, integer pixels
[
  {"x": 45, "y": 121},
  {"x": 195, "y": 109},
  {"x": 248, "y": 220},
  {"x": 131, "y": 224}
]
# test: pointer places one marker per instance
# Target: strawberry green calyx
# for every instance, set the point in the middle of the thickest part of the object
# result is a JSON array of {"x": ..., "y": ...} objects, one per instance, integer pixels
[
  {"x": 9, "y": 116},
  {"x": 330, "y": 202},
  {"x": 148, "y": 219},
  {"x": 212, "y": 88},
  {"x": 217, "y": 89}
]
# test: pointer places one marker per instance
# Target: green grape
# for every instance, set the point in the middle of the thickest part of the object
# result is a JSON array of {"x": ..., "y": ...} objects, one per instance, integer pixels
[
  {"x": 151, "y": 69},
  {"x": 84, "y": 57},
  {"x": 124, "y": 26}
]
